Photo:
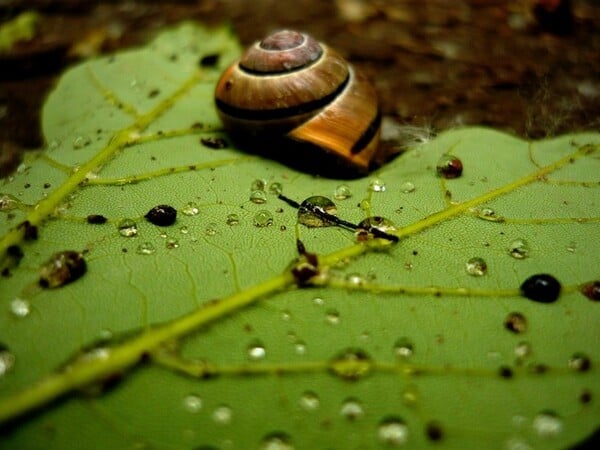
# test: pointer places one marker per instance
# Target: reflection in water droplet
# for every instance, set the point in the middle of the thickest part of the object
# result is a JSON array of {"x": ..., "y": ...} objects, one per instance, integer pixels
[
  {"x": 81, "y": 141},
  {"x": 192, "y": 403},
  {"x": 332, "y": 317},
  {"x": 580, "y": 362},
  {"x": 190, "y": 209},
  {"x": 308, "y": 212},
  {"x": 258, "y": 185},
  {"x": 547, "y": 424},
  {"x": 392, "y": 432},
  {"x": 7, "y": 360},
  {"x": 256, "y": 351},
  {"x": 211, "y": 229},
  {"x": 342, "y": 192},
  {"x": 127, "y": 228},
  {"x": 365, "y": 205},
  {"x": 275, "y": 188},
  {"x": 449, "y": 166},
  {"x": 146, "y": 248},
  {"x": 352, "y": 409},
  {"x": 277, "y": 441},
  {"x": 20, "y": 308},
  {"x": 403, "y": 348},
  {"x": 591, "y": 290},
  {"x": 232, "y": 219},
  {"x": 310, "y": 401},
  {"x": 377, "y": 185},
  {"x": 263, "y": 219},
  {"x": 222, "y": 415},
  {"x": 258, "y": 197},
  {"x": 518, "y": 249},
  {"x": 476, "y": 267},
  {"x": 172, "y": 243},
  {"x": 407, "y": 187},
  {"x": 364, "y": 230}
]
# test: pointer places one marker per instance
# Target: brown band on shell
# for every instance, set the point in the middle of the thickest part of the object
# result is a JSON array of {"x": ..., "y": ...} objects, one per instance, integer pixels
[{"x": 283, "y": 51}]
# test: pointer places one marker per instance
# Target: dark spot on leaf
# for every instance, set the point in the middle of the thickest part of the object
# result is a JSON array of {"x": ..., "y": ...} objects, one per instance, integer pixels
[
  {"x": 162, "y": 215},
  {"x": 538, "y": 369},
  {"x": 505, "y": 372},
  {"x": 47, "y": 185},
  {"x": 30, "y": 232},
  {"x": 62, "y": 268},
  {"x": 10, "y": 158},
  {"x": 516, "y": 322},
  {"x": 580, "y": 362},
  {"x": 449, "y": 167},
  {"x": 153, "y": 93},
  {"x": 96, "y": 219},
  {"x": 591, "y": 290},
  {"x": 215, "y": 143},
  {"x": 209, "y": 60},
  {"x": 585, "y": 397},
  {"x": 197, "y": 126},
  {"x": 541, "y": 288},
  {"x": 434, "y": 431}
]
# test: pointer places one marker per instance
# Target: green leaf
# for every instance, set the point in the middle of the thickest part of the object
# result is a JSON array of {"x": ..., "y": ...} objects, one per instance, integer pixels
[{"x": 201, "y": 334}]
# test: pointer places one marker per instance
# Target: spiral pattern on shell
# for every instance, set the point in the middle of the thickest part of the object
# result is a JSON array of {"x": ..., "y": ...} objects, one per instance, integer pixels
[{"x": 290, "y": 86}]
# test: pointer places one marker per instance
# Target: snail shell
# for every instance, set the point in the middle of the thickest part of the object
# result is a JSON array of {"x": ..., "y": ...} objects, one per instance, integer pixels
[{"x": 299, "y": 101}]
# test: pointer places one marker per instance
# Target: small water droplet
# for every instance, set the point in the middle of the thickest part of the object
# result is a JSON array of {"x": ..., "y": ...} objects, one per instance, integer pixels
[
  {"x": 342, "y": 192},
  {"x": 522, "y": 350},
  {"x": 81, "y": 141},
  {"x": 258, "y": 185},
  {"x": 516, "y": 322},
  {"x": 404, "y": 348},
  {"x": 377, "y": 185},
  {"x": 172, "y": 243},
  {"x": 365, "y": 205},
  {"x": 7, "y": 360},
  {"x": 277, "y": 441},
  {"x": 410, "y": 395},
  {"x": 211, "y": 229},
  {"x": 184, "y": 229},
  {"x": 352, "y": 409},
  {"x": 571, "y": 247},
  {"x": 9, "y": 202},
  {"x": 407, "y": 187},
  {"x": 541, "y": 288},
  {"x": 310, "y": 401},
  {"x": 355, "y": 280},
  {"x": 192, "y": 403},
  {"x": 449, "y": 166},
  {"x": 127, "y": 228},
  {"x": 222, "y": 415},
  {"x": 263, "y": 218},
  {"x": 518, "y": 249},
  {"x": 20, "y": 308},
  {"x": 476, "y": 267},
  {"x": 190, "y": 209},
  {"x": 310, "y": 209},
  {"x": 232, "y": 219},
  {"x": 258, "y": 197},
  {"x": 332, "y": 317},
  {"x": 256, "y": 351},
  {"x": 393, "y": 432},
  {"x": 352, "y": 364},
  {"x": 366, "y": 227},
  {"x": 489, "y": 214},
  {"x": 547, "y": 424},
  {"x": 275, "y": 188},
  {"x": 580, "y": 362},
  {"x": 146, "y": 248},
  {"x": 300, "y": 348}
]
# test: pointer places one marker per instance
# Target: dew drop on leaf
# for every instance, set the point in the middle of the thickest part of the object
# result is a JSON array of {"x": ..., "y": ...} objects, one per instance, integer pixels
[
  {"x": 256, "y": 351},
  {"x": 258, "y": 197},
  {"x": 184, "y": 229},
  {"x": 580, "y": 362},
  {"x": 300, "y": 348},
  {"x": 342, "y": 192},
  {"x": 366, "y": 227},
  {"x": 591, "y": 290},
  {"x": 309, "y": 401},
  {"x": 407, "y": 187},
  {"x": 127, "y": 228},
  {"x": 318, "y": 301},
  {"x": 519, "y": 249},
  {"x": 232, "y": 219},
  {"x": 392, "y": 432},
  {"x": 522, "y": 350},
  {"x": 263, "y": 218},
  {"x": 7, "y": 360},
  {"x": 516, "y": 322},
  {"x": 81, "y": 141},
  {"x": 145, "y": 248},
  {"x": 355, "y": 280},
  {"x": 276, "y": 441},
  {"x": 275, "y": 188},
  {"x": 222, "y": 415},
  {"x": 352, "y": 409},
  {"x": 410, "y": 395},
  {"x": 351, "y": 365},
  {"x": 476, "y": 267},
  {"x": 62, "y": 268},
  {"x": 404, "y": 348},
  {"x": 332, "y": 317},
  {"x": 192, "y": 403},
  {"x": 190, "y": 209},
  {"x": 258, "y": 185},
  {"x": 377, "y": 185},
  {"x": 308, "y": 212},
  {"x": 547, "y": 424},
  {"x": 449, "y": 166},
  {"x": 20, "y": 308},
  {"x": 162, "y": 215},
  {"x": 541, "y": 288},
  {"x": 211, "y": 229},
  {"x": 172, "y": 243}
]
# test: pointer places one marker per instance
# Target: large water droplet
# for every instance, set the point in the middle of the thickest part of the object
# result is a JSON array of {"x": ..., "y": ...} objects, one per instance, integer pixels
[
  {"x": 192, "y": 403},
  {"x": 232, "y": 219},
  {"x": 190, "y": 209},
  {"x": 352, "y": 409},
  {"x": 449, "y": 166},
  {"x": 518, "y": 249},
  {"x": 258, "y": 197},
  {"x": 393, "y": 432},
  {"x": 351, "y": 365},
  {"x": 377, "y": 185},
  {"x": 20, "y": 308},
  {"x": 342, "y": 192},
  {"x": 258, "y": 185},
  {"x": 476, "y": 267},
  {"x": 547, "y": 424},
  {"x": 256, "y": 351},
  {"x": 127, "y": 228},
  {"x": 404, "y": 348},
  {"x": 277, "y": 441},
  {"x": 310, "y": 209},
  {"x": 541, "y": 288},
  {"x": 310, "y": 401},
  {"x": 263, "y": 219},
  {"x": 7, "y": 360},
  {"x": 146, "y": 248},
  {"x": 222, "y": 415}
]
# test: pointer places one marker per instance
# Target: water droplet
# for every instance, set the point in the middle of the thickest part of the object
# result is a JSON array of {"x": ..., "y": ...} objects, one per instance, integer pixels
[
  {"x": 310, "y": 401},
  {"x": 377, "y": 185},
  {"x": 258, "y": 185},
  {"x": 256, "y": 351},
  {"x": 352, "y": 409},
  {"x": 366, "y": 227},
  {"x": 410, "y": 395},
  {"x": 434, "y": 431},
  {"x": 172, "y": 243},
  {"x": 449, "y": 166},
  {"x": 351, "y": 365},
  {"x": 580, "y": 362},
  {"x": 518, "y": 249},
  {"x": 591, "y": 290},
  {"x": 263, "y": 218},
  {"x": 146, "y": 248},
  {"x": 127, "y": 228},
  {"x": 277, "y": 441},
  {"x": 522, "y": 350},
  {"x": 355, "y": 280},
  {"x": 7, "y": 360},
  {"x": 489, "y": 214},
  {"x": 9, "y": 202},
  {"x": 342, "y": 192},
  {"x": 407, "y": 187},
  {"x": 571, "y": 247},
  {"x": 62, "y": 268},
  {"x": 232, "y": 219},
  {"x": 404, "y": 348},
  {"x": 393, "y": 432},
  {"x": 318, "y": 301},
  {"x": 190, "y": 209},
  {"x": 541, "y": 288},
  {"x": 162, "y": 215},
  {"x": 258, "y": 197},
  {"x": 20, "y": 308},
  {"x": 476, "y": 267},
  {"x": 332, "y": 317},
  {"x": 547, "y": 424},
  {"x": 516, "y": 322},
  {"x": 211, "y": 229},
  {"x": 192, "y": 403},
  {"x": 365, "y": 205},
  {"x": 81, "y": 141},
  {"x": 300, "y": 348},
  {"x": 275, "y": 188},
  {"x": 311, "y": 209},
  {"x": 517, "y": 443},
  {"x": 222, "y": 415},
  {"x": 184, "y": 229}
]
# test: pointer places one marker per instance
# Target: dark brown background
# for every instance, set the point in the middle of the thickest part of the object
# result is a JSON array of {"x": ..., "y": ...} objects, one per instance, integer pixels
[{"x": 530, "y": 67}]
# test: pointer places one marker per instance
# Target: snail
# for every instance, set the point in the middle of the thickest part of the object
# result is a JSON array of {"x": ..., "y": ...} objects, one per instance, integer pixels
[{"x": 298, "y": 101}]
